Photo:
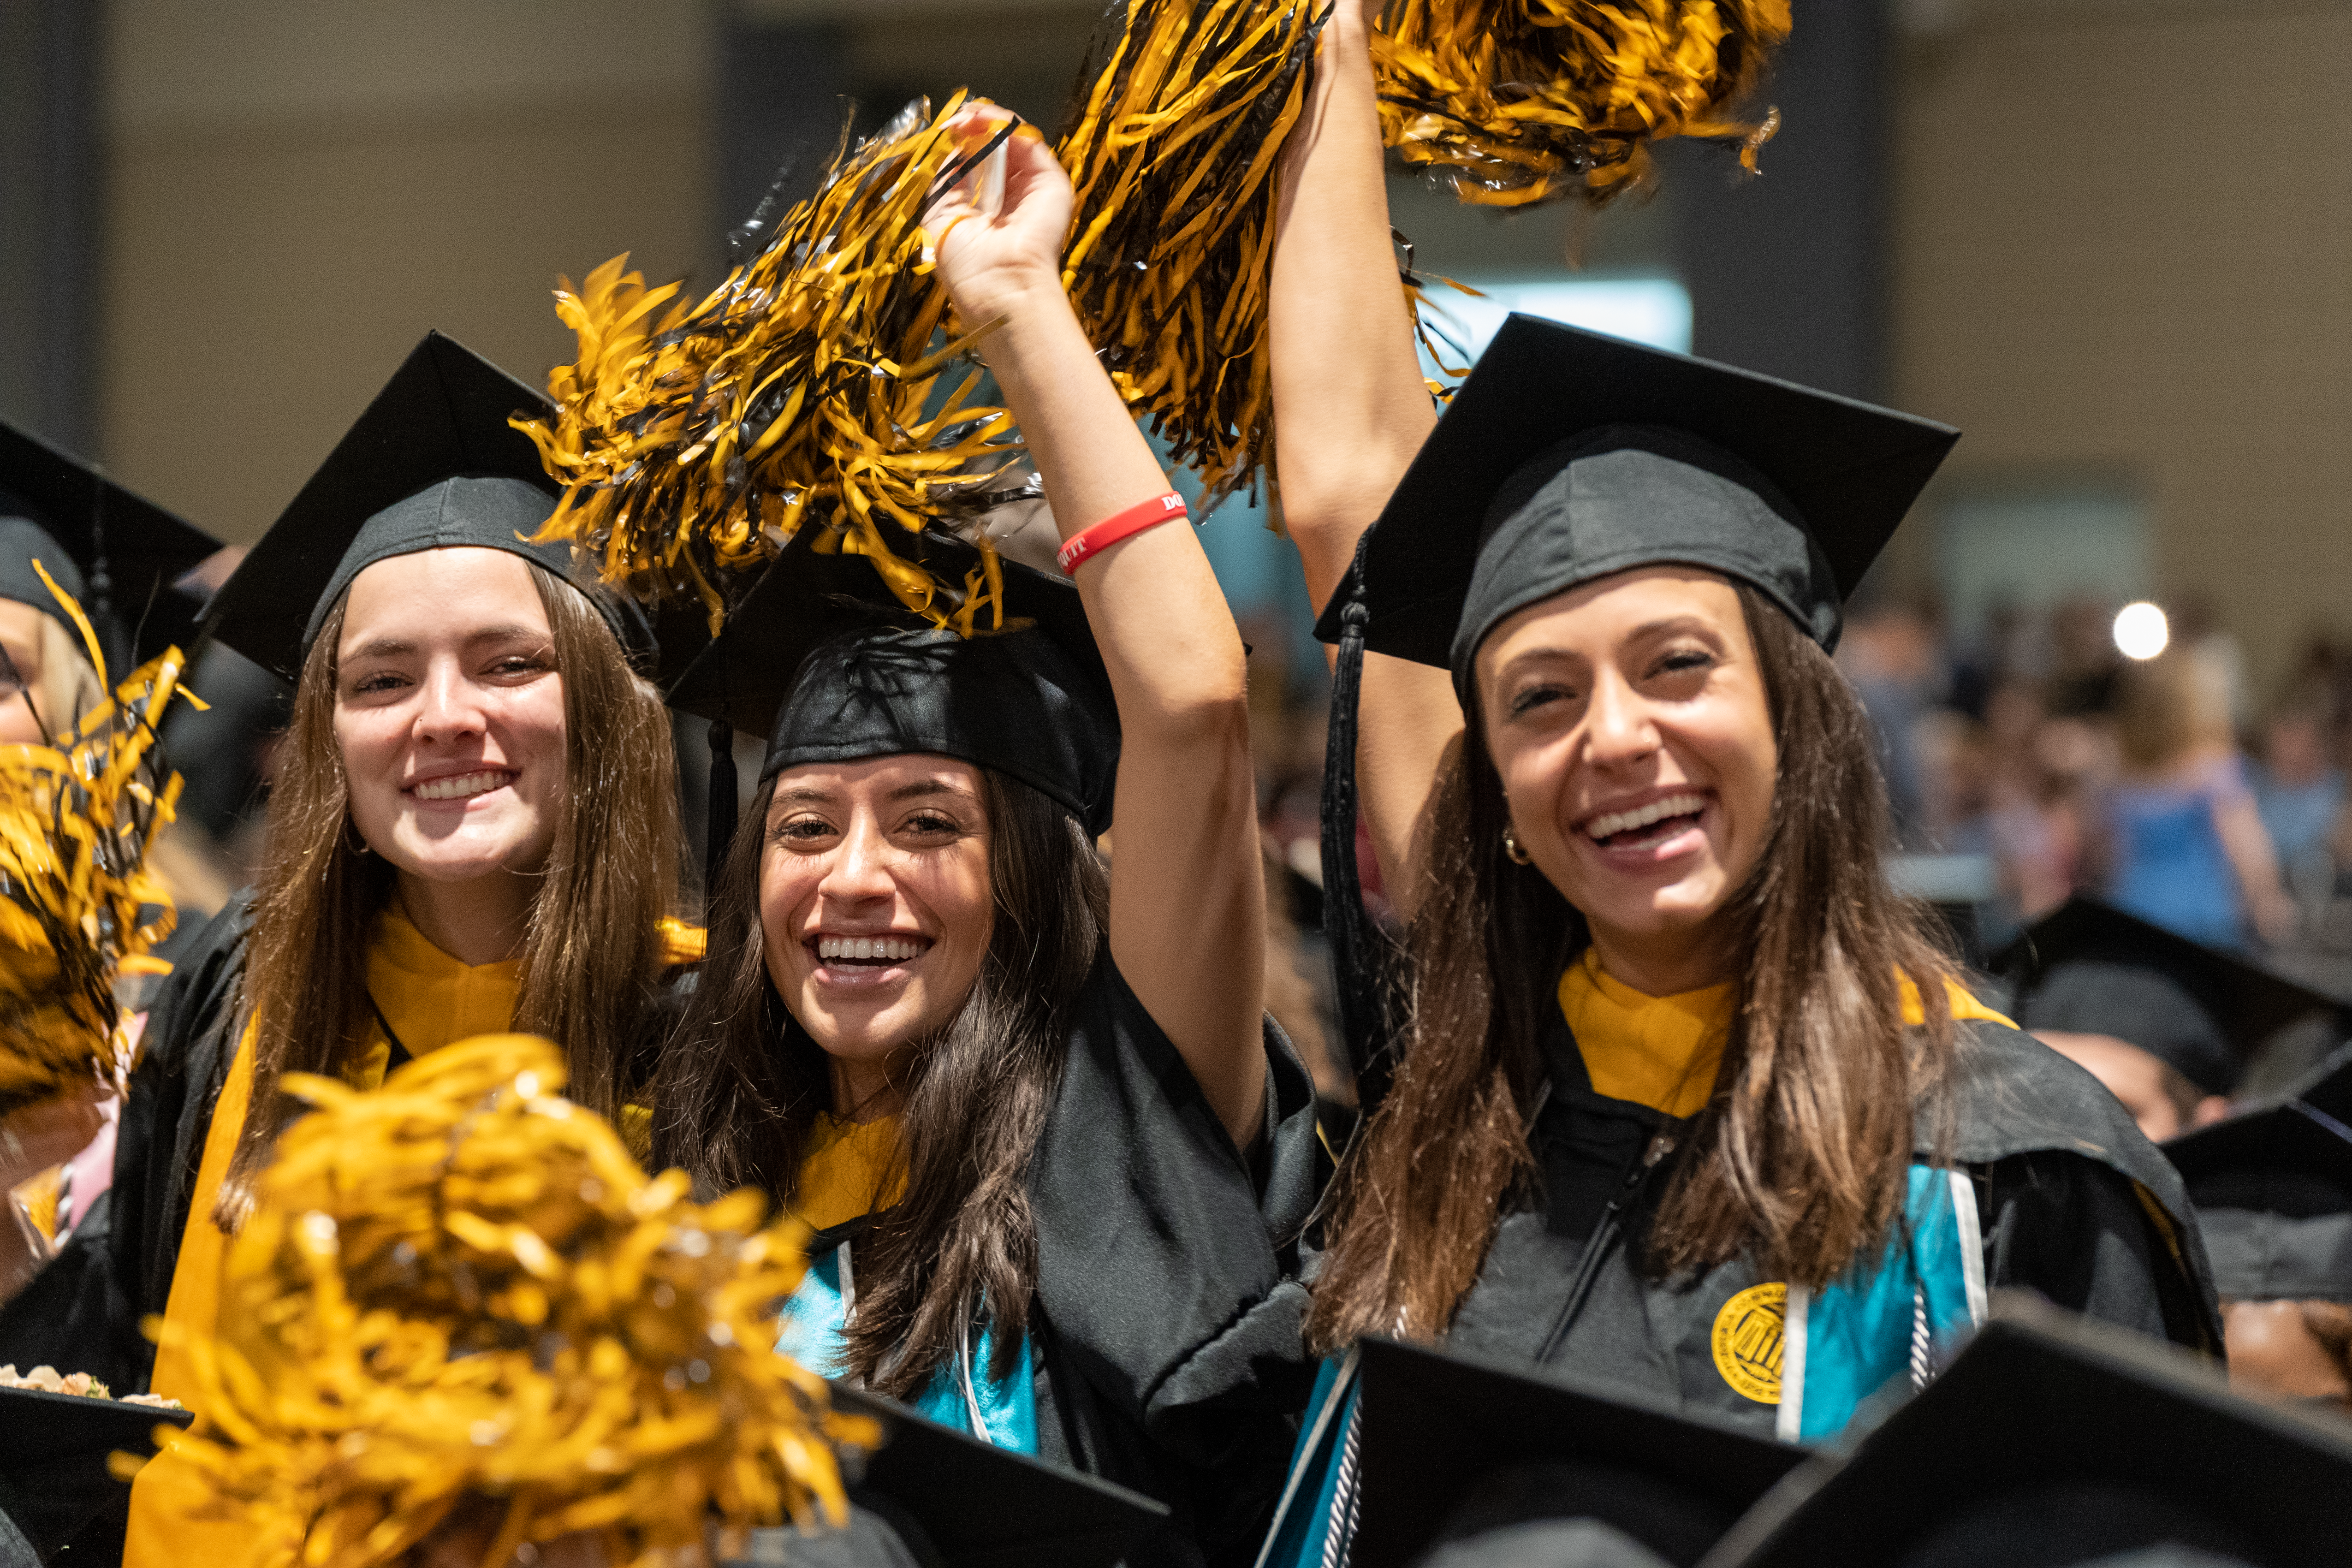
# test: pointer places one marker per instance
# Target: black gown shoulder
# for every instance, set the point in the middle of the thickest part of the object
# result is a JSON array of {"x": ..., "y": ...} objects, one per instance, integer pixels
[
  {"x": 1166, "y": 1276},
  {"x": 81, "y": 1312},
  {"x": 2075, "y": 1203}
]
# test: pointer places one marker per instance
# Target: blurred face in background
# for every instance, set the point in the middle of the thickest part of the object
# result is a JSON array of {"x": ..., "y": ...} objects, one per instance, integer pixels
[
  {"x": 2163, "y": 1102},
  {"x": 2295, "y": 750},
  {"x": 20, "y": 640},
  {"x": 2291, "y": 1350}
]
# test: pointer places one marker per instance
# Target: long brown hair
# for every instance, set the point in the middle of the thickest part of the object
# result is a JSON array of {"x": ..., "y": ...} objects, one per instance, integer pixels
[
  {"x": 594, "y": 951},
  {"x": 1798, "y": 1160},
  {"x": 743, "y": 1083}
]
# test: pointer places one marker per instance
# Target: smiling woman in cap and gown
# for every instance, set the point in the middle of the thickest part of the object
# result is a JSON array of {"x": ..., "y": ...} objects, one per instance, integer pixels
[
  {"x": 1031, "y": 1103},
  {"x": 1666, "y": 1088},
  {"x": 474, "y": 831}
]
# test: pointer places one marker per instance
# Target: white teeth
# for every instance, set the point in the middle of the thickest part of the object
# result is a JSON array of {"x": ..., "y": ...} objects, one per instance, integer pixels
[
  {"x": 1618, "y": 822},
  {"x": 889, "y": 948},
  {"x": 462, "y": 784}
]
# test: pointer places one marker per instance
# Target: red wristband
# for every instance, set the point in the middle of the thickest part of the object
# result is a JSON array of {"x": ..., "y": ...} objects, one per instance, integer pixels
[{"x": 1119, "y": 525}]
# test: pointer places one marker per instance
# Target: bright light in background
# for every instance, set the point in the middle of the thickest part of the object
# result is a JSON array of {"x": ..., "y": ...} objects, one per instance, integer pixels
[
  {"x": 2141, "y": 631},
  {"x": 1652, "y": 311}
]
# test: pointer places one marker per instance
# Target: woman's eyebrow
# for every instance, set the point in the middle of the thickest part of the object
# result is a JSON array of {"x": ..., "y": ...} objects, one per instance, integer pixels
[
  {"x": 928, "y": 787},
  {"x": 1665, "y": 623},
  {"x": 395, "y": 646}
]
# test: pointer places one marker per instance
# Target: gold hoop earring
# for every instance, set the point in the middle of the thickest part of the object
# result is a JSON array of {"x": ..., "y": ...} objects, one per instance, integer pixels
[
  {"x": 352, "y": 842},
  {"x": 1511, "y": 847}
]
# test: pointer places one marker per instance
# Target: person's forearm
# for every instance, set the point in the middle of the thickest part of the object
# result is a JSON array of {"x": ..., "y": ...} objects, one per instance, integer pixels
[
  {"x": 1173, "y": 648},
  {"x": 1349, "y": 402}
]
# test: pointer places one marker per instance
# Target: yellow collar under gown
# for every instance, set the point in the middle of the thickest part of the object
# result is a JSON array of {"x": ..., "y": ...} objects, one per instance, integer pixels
[{"x": 1665, "y": 1051}]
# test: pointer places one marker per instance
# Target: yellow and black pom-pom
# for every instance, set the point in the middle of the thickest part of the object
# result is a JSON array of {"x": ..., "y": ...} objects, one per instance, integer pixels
[
  {"x": 460, "y": 1297},
  {"x": 810, "y": 388},
  {"x": 76, "y": 900},
  {"x": 1171, "y": 143},
  {"x": 1520, "y": 101}
]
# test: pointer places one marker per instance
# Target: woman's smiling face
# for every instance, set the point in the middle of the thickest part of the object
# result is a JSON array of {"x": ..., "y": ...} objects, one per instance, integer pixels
[
  {"x": 875, "y": 905},
  {"x": 1629, "y": 721},
  {"x": 449, "y": 714}
]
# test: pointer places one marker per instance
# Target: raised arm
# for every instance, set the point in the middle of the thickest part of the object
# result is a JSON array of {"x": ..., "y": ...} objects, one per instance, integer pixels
[
  {"x": 1186, "y": 907},
  {"x": 1350, "y": 410}
]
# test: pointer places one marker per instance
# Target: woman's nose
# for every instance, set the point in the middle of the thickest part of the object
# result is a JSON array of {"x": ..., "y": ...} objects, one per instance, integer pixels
[
  {"x": 1617, "y": 726},
  {"x": 451, "y": 710},
  {"x": 861, "y": 866}
]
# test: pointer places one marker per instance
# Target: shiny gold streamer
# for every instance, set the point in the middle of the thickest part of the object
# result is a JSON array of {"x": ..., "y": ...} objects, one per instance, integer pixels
[
  {"x": 1520, "y": 101},
  {"x": 76, "y": 900},
  {"x": 461, "y": 1287},
  {"x": 810, "y": 386},
  {"x": 1172, "y": 146}
]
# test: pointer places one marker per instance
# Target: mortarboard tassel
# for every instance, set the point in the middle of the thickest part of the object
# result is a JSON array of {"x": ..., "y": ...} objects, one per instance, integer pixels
[
  {"x": 460, "y": 1285},
  {"x": 77, "y": 904},
  {"x": 810, "y": 386},
  {"x": 1362, "y": 957}
]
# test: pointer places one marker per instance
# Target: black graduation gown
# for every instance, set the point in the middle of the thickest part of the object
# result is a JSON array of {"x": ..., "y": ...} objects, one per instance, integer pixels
[
  {"x": 1164, "y": 1332},
  {"x": 81, "y": 1312},
  {"x": 2063, "y": 1184}
]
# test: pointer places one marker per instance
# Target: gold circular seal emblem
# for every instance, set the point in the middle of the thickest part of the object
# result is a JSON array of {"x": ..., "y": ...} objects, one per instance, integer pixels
[{"x": 1746, "y": 1340}]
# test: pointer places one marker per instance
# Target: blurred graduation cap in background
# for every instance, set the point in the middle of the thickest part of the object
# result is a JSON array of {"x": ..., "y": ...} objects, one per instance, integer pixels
[
  {"x": 1490, "y": 1464},
  {"x": 432, "y": 463},
  {"x": 2272, "y": 1190},
  {"x": 118, "y": 553},
  {"x": 54, "y": 1480},
  {"x": 2053, "y": 1441},
  {"x": 2089, "y": 968},
  {"x": 937, "y": 1497}
]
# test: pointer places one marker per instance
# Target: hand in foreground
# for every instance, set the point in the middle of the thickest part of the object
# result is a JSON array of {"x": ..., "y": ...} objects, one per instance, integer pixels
[
  {"x": 49, "y": 1133},
  {"x": 987, "y": 257}
]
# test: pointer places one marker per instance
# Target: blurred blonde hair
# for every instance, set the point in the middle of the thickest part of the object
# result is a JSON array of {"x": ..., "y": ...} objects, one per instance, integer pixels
[{"x": 2173, "y": 705}]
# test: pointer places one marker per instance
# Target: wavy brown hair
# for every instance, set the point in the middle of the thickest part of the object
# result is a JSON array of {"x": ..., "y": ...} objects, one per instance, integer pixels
[
  {"x": 1799, "y": 1159},
  {"x": 741, "y": 1086},
  {"x": 593, "y": 954}
]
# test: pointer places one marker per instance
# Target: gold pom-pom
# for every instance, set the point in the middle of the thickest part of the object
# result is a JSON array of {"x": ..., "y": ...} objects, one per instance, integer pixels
[
  {"x": 1520, "y": 102},
  {"x": 76, "y": 900},
  {"x": 459, "y": 1292},
  {"x": 809, "y": 388}
]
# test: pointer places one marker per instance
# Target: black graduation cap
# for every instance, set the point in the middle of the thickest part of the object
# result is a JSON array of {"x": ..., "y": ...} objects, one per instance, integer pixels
[
  {"x": 2090, "y": 968},
  {"x": 2327, "y": 1089},
  {"x": 53, "y": 1453},
  {"x": 825, "y": 662},
  {"x": 60, "y": 510},
  {"x": 1442, "y": 1429},
  {"x": 978, "y": 1506},
  {"x": 2272, "y": 1191},
  {"x": 432, "y": 463},
  {"x": 2053, "y": 1440},
  {"x": 1568, "y": 455}
]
